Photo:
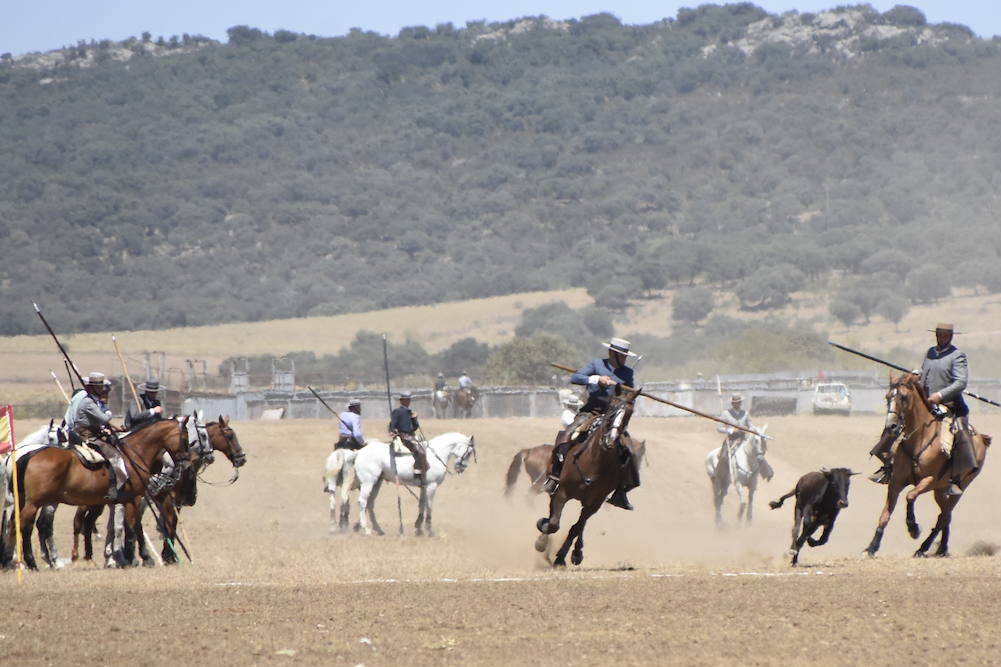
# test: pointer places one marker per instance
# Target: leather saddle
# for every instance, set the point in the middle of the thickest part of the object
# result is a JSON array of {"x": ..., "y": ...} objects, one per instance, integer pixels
[{"x": 89, "y": 457}]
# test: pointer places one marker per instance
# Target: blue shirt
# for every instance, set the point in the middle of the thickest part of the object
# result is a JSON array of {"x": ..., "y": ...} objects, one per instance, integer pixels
[
  {"x": 350, "y": 426},
  {"x": 623, "y": 375}
]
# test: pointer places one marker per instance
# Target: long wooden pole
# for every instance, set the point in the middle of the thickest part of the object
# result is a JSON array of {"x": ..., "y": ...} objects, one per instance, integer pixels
[
  {"x": 569, "y": 369},
  {"x": 392, "y": 454},
  {"x": 125, "y": 369},
  {"x": 18, "y": 546}
]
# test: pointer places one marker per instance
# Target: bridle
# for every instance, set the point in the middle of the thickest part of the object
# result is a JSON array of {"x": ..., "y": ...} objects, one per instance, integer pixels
[{"x": 237, "y": 455}]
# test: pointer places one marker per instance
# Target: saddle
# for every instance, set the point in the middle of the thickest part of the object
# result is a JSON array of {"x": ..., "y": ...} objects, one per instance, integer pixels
[
  {"x": 398, "y": 448},
  {"x": 89, "y": 457}
]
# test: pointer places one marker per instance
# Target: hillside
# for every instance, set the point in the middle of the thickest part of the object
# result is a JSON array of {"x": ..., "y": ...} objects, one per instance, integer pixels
[{"x": 157, "y": 186}]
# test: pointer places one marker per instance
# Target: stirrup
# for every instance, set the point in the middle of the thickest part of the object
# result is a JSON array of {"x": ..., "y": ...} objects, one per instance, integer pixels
[
  {"x": 551, "y": 484},
  {"x": 619, "y": 499},
  {"x": 882, "y": 476}
]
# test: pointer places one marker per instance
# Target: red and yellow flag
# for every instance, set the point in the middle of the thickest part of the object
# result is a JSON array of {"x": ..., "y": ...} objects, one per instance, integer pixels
[{"x": 6, "y": 428}]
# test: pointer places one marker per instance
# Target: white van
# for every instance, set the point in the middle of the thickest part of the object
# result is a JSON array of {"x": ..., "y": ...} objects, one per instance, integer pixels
[{"x": 832, "y": 398}]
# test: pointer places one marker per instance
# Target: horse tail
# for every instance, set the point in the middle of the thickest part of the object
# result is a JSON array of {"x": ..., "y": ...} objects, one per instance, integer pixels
[
  {"x": 513, "y": 470},
  {"x": 775, "y": 504},
  {"x": 332, "y": 476}
]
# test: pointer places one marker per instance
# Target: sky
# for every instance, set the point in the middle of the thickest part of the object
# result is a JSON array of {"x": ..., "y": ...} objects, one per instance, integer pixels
[{"x": 43, "y": 25}]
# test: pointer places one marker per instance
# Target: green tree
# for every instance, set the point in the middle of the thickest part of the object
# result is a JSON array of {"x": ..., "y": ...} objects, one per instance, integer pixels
[
  {"x": 692, "y": 304},
  {"x": 526, "y": 360}
]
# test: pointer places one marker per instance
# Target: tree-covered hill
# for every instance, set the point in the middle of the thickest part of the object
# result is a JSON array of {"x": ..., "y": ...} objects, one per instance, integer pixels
[{"x": 189, "y": 182}]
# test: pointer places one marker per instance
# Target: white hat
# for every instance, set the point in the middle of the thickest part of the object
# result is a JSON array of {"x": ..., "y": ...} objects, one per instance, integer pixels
[
  {"x": 96, "y": 379},
  {"x": 354, "y": 402},
  {"x": 620, "y": 345}
]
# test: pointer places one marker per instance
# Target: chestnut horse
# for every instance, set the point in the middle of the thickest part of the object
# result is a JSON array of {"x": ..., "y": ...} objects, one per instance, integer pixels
[
  {"x": 221, "y": 438},
  {"x": 593, "y": 470},
  {"x": 465, "y": 401},
  {"x": 919, "y": 461},
  {"x": 57, "y": 475}
]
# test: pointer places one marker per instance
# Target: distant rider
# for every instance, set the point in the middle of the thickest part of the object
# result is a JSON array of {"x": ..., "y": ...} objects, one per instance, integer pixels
[
  {"x": 349, "y": 435},
  {"x": 403, "y": 424}
]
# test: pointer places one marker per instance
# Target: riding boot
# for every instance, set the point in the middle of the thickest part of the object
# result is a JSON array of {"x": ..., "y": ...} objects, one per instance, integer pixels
[
  {"x": 630, "y": 480},
  {"x": 963, "y": 460},
  {"x": 112, "y": 484},
  {"x": 556, "y": 464},
  {"x": 882, "y": 451}
]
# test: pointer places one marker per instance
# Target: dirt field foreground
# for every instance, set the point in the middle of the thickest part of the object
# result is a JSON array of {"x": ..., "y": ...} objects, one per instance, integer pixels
[{"x": 270, "y": 585}]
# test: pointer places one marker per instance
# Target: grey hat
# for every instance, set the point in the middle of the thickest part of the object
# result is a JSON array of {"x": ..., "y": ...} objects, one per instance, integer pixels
[
  {"x": 736, "y": 398},
  {"x": 354, "y": 403},
  {"x": 405, "y": 395},
  {"x": 150, "y": 386},
  {"x": 96, "y": 379}
]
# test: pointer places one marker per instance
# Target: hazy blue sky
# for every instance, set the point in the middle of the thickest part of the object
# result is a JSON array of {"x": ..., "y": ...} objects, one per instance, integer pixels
[{"x": 43, "y": 25}]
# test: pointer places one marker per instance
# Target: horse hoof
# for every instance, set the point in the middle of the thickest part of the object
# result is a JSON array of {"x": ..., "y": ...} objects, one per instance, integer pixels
[
  {"x": 577, "y": 557},
  {"x": 914, "y": 531},
  {"x": 541, "y": 542},
  {"x": 543, "y": 525},
  {"x": 560, "y": 562},
  {"x": 920, "y": 554},
  {"x": 868, "y": 553}
]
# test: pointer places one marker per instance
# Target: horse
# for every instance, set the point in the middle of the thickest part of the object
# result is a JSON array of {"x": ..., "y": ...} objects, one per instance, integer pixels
[
  {"x": 373, "y": 465},
  {"x": 117, "y": 542},
  {"x": 215, "y": 436},
  {"x": 919, "y": 461},
  {"x": 57, "y": 475},
  {"x": 339, "y": 474},
  {"x": 45, "y": 436},
  {"x": 440, "y": 400},
  {"x": 593, "y": 470},
  {"x": 465, "y": 401},
  {"x": 739, "y": 461},
  {"x": 535, "y": 461}
]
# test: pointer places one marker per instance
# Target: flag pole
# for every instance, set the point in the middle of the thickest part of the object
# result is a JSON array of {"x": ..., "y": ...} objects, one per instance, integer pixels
[{"x": 18, "y": 546}]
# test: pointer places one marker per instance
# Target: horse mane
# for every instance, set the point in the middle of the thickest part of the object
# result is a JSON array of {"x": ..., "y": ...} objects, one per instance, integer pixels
[{"x": 911, "y": 380}]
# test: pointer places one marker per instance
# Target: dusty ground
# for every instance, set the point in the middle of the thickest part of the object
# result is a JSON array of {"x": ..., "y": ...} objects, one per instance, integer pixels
[{"x": 270, "y": 585}]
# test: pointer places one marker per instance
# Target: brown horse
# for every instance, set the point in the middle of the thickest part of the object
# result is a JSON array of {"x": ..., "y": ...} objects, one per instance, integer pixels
[
  {"x": 57, "y": 475},
  {"x": 464, "y": 401},
  {"x": 593, "y": 470},
  {"x": 920, "y": 462},
  {"x": 535, "y": 461},
  {"x": 222, "y": 438}
]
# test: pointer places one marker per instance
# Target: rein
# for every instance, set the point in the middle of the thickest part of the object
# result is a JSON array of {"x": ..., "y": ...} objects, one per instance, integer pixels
[{"x": 904, "y": 436}]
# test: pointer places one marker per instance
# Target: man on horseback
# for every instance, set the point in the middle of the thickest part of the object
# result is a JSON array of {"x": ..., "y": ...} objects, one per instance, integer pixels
[
  {"x": 944, "y": 374},
  {"x": 403, "y": 425},
  {"x": 149, "y": 410},
  {"x": 601, "y": 377},
  {"x": 349, "y": 435},
  {"x": 89, "y": 421},
  {"x": 466, "y": 382},
  {"x": 440, "y": 384},
  {"x": 737, "y": 416}
]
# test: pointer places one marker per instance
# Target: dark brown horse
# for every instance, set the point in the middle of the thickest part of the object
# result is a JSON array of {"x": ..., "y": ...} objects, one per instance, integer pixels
[
  {"x": 464, "y": 401},
  {"x": 593, "y": 470},
  {"x": 535, "y": 462},
  {"x": 920, "y": 462},
  {"x": 221, "y": 438},
  {"x": 57, "y": 475}
]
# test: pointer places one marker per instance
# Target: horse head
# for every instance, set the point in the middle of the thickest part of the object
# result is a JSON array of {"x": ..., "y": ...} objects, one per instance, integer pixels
[
  {"x": 463, "y": 450},
  {"x": 201, "y": 445},
  {"x": 906, "y": 405},
  {"x": 616, "y": 418},
  {"x": 223, "y": 439}
]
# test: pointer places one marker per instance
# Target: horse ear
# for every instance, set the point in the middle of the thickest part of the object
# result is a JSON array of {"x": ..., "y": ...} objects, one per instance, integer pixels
[{"x": 824, "y": 470}]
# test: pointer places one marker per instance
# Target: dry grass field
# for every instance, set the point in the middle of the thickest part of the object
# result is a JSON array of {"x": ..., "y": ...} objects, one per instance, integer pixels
[{"x": 270, "y": 585}]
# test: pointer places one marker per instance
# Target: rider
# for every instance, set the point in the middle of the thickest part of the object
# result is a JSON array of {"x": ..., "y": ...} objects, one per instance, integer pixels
[
  {"x": 152, "y": 411},
  {"x": 736, "y": 415},
  {"x": 601, "y": 377},
  {"x": 466, "y": 382},
  {"x": 349, "y": 435},
  {"x": 571, "y": 405},
  {"x": 89, "y": 420},
  {"x": 439, "y": 382},
  {"x": 403, "y": 424},
  {"x": 944, "y": 374}
]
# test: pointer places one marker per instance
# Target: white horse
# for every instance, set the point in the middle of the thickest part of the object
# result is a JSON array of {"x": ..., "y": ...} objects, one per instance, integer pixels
[
  {"x": 740, "y": 464},
  {"x": 440, "y": 400},
  {"x": 373, "y": 465},
  {"x": 339, "y": 475}
]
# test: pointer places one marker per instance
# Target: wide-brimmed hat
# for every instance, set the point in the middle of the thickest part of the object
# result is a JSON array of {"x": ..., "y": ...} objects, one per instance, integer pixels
[
  {"x": 736, "y": 398},
  {"x": 354, "y": 403},
  {"x": 573, "y": 401},
  {"x": 620, "y": 345},
  {"x": 149, "y": 386},
  {"x": 96, "y": 379},
  {"x": 405, "y": 394},
  {"x": 944, "y": 327}
]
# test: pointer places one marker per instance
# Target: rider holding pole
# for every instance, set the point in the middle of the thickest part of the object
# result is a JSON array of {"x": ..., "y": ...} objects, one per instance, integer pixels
[
  {"x": 349, "y": 435},
  {"x": 403, "y": 424},
  {"x": 601, "y": 377},
  {"x": 944, "y": 374},
  {"x": 89, "y": 420}
]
